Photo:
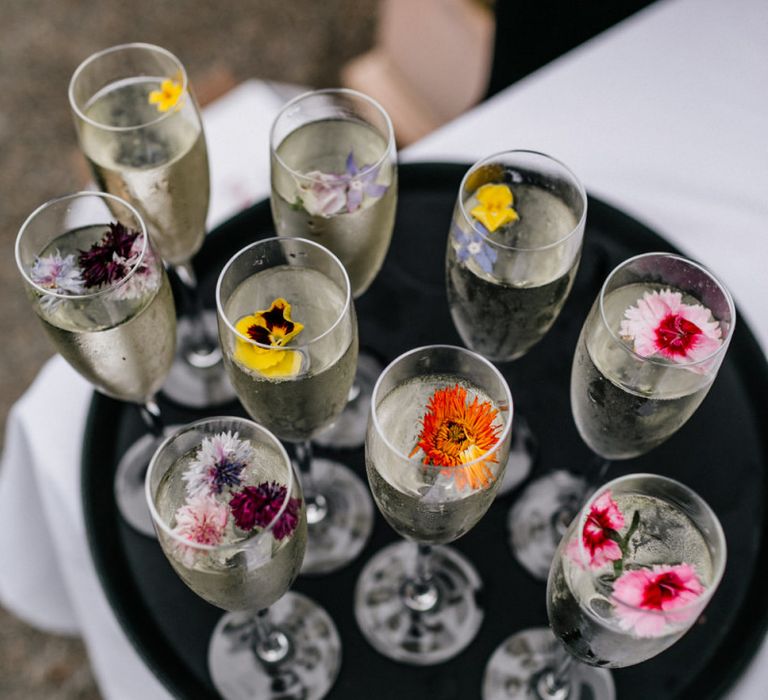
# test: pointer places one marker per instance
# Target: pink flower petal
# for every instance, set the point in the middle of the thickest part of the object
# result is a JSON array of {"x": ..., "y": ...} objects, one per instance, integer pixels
[
  {"x": 646, "y": 599},
  {"x": 604, "y": 517},
  {"x": 661, "y": 324}
]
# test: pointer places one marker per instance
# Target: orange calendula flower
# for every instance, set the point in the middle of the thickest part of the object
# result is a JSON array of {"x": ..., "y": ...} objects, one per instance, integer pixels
[
  {"x": 167, "y": 96},
  {"x": 272, "y": 327},
  {"x": 495, "y": 208},
  {"x": 455, "y": 432}
]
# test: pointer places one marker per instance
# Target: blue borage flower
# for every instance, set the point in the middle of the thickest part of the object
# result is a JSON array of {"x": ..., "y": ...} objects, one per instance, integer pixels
[
  {"x": 473, "y": 244},
  {"x": 218, "y": 464}
]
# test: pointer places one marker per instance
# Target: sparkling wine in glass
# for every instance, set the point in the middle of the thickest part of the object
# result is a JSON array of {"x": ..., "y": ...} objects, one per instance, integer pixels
[
  {"x": 631, "y": 575},
  {"x": 646, "y": 357},
  {"x": 230, "y": 518},
  {"x": 288, "y": 332},
  {"x": 139, "y": 127},
  {"x": 103, "y": 298},
  {"x": 334, "y": 182},
  {"x": 513, "y": 252},
  {"x": 435, "y": 452}
]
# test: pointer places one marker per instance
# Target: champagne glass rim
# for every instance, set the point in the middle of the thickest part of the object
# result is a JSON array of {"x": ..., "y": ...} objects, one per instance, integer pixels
[
  {"x": 189, "y": 427},
  {"x": 507, "y": 427},
  {"x": 718, "y": 537},
  {"x": 145, "y": 246},
  {"x": 348, "y": 92},
  {"x": 701, "y": 362},
  {"x": 161, "y": 116},
  {"x": 345, "y": 310},
  {"x": 533, "y": 249}
]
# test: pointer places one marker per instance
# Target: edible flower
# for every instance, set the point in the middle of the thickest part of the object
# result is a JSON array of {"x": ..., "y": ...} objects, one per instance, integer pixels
[
  {"x": 110, "y": 260},
  {"x": 257, "y": 506},
  {"x": 661, "y": 324},
  {"x": 218, "y": 464},
  {"x": 167, "y": 96},
  {"x": 326, "y": 194},
  {"x": 201, "y": 520},
  {"x": 455, "y": 432},
  {"x": 599, "y": 533},
  {"x": 646, "y": 599},
  {"x": 274, "y": 328},
  {"x": 57, "y": 273},
  {"x": 495, "y": 206},
  {"x": 473, "y": 244}
]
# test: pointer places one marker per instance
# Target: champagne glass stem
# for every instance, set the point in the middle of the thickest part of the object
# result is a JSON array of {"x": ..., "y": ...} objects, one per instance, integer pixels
[
  {"x": 316, "y": 503},
  {"x": 269, "y": 644},
  {"x": 595, "y": 472},
  {"x": 420, "y": 593},
  {"x": 150, "y": 414},
  {"x": 592, "y": 478},
  {"x": 198, "y": 341},
  {"x": 553, "y": 683}
]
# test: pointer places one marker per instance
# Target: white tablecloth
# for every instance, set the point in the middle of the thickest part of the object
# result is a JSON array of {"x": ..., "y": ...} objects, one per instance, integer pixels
[{"x": 664, "y": 116}]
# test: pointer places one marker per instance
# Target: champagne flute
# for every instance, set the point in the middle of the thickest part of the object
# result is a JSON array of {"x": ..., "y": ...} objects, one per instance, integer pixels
[
  {"x": 230, "y": 518},
  {"x": 436, "y": 449},
  {"x": 512, "y": 256},
  {"x": 631, "y": 575},
  {"x": 104, "y": 300},
  {"x": 139, "y": 127},
  {"x": 288, "y": 333},
  {"x": 646, "y": 357},
  {"x": 334, "y": 182}
]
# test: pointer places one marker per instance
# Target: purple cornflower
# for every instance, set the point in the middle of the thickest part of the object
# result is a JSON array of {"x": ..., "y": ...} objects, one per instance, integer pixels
[
  {"x": 218, "y": 464},
  {"x": 109, "y": 260}
]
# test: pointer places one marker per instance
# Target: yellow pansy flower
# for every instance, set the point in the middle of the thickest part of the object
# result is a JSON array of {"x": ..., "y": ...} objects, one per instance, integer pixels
[
  {"x": 495, "y": 207},
  {"x": 272, "y": 327},
  {"x": 167, "y": 96}
]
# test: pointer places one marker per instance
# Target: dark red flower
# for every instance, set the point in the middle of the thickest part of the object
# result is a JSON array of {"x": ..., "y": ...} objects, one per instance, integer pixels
[
  {"x": 108, "y": 261},
  {"x": 257, "y": 506}
]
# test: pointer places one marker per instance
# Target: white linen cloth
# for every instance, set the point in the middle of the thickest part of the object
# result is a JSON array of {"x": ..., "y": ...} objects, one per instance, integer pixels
[{"x": 663, "y": 116}]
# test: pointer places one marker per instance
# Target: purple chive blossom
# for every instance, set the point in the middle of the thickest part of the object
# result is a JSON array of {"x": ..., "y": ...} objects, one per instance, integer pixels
[
  {"x": 57, "y": 273},
  {"x": 257, "y": 506},
  {"x": 473, "y": 245},
  {"x": 331, "y": 193},
  {"x": 218, "y": 464},
  {"x": 109, "y": 260}
]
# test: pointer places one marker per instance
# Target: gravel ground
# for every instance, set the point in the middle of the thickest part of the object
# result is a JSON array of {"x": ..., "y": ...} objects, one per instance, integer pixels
[{"x": 41, "y": 43}]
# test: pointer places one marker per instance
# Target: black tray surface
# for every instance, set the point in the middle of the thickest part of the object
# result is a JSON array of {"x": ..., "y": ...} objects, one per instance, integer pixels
[{"x": 722, "y": 453}]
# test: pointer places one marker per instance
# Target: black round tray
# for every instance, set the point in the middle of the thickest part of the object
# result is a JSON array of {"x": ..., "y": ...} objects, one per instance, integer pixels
[{"x": 720, "y": 452}]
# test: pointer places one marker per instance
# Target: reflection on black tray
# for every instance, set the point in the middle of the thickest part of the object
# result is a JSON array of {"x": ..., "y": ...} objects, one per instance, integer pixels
[{"x": 719, "y": 452}]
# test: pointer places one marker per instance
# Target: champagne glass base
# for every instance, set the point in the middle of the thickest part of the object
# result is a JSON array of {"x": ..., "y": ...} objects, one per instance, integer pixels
[
  {"x": 198, "y": 379},
  {"x": 129, "y": 482},
  {"x": 342, "y": 533},
  {"x": 516, "y": 665},
  {"x": 522, "y": 453},
  {"x": 418, "y": 638},
  {"x": 539, "y": 518},
  {"x": 308, "y": 670},
  {"x": 348, "y": 430}
]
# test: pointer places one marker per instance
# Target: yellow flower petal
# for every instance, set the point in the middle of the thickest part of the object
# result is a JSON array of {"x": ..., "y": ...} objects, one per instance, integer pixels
[
  {"x": 167, "y": 96},
  {"x": 495, "y": 206},
  {"x": 272, "y": 327},
  {"x": 495, "y": 196}
]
